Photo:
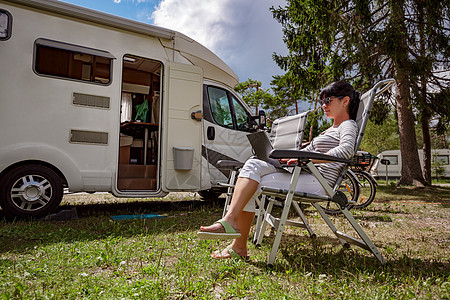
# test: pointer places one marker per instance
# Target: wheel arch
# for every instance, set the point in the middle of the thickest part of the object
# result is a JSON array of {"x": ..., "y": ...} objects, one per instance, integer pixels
[
  {"x": 45, "y": 155},
  {"x": 34, "y": 162}
]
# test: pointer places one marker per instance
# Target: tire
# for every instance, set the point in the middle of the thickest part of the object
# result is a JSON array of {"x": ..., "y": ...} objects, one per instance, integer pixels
[
  {"x": 349, "y": 186},
  {"x": 30, "y": 191},
  {"x": 210, "y": 194},
  {"x": 367, "y": 189}
]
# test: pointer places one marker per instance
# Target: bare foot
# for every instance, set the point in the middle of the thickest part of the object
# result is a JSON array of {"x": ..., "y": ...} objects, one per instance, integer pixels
[
  {"x": 217, "y": 227},
  {"x": 212, "y": 227},
  {"x": 228, "y": 252}
]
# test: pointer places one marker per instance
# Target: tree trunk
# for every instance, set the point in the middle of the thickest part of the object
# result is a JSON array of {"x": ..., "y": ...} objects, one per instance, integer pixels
[
  {"x": 426, "y": 114},
  {"x": 426, "y": 146},
  {"x": 411, "y": 173}
]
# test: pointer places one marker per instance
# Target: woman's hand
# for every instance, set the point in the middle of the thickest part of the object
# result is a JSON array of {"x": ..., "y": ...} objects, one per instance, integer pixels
[
  {"x": 288, "y": 161},
  {"x": 304, "y": 145}
]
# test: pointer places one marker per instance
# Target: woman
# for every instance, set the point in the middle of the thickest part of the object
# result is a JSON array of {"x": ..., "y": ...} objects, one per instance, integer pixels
[{"x": 340, "y": 103}]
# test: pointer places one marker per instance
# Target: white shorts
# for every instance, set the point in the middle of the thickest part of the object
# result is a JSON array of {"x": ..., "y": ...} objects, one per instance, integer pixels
[{"x": 267, "y": 175}]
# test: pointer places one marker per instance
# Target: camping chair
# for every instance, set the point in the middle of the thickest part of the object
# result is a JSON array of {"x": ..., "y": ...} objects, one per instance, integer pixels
[
  {"x": 291, "y": 196},
  {"x": 286, "y": 133}
]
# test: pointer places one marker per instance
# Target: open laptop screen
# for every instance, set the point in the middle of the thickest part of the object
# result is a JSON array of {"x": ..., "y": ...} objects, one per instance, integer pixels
[{"x": 262, "y": 147}]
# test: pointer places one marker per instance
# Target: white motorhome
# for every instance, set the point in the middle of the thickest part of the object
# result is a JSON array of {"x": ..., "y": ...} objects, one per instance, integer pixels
[
  {"x": 97, "y": 103},
  {"x": 394, "y": 167}
]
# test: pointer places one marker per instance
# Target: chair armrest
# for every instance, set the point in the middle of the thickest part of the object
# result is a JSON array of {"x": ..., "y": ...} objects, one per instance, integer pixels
[
  {"x": 276, "y": 153},
  {"x": 229, "y": 164}
]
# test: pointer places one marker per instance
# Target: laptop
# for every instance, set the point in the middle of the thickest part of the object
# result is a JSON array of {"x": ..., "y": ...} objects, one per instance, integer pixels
[{"x": 262, "y": 146}]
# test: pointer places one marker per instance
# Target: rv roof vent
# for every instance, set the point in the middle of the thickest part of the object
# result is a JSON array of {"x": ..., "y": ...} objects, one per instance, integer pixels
[
  {"x": 88, "y": 137},
  {"x": 91, "y": 100}
]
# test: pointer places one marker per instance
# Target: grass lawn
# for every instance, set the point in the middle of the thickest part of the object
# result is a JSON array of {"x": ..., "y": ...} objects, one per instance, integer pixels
[{"x": 95, "y": 257}]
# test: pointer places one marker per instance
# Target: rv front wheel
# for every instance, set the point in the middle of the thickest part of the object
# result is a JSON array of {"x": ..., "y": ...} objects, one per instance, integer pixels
[
  {"x": 210, "y": 194},
  {"x": 30, "y": 191}
]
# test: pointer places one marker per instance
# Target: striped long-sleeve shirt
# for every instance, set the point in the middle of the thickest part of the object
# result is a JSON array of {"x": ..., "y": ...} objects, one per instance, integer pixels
[{"x": 336, "y": 141}]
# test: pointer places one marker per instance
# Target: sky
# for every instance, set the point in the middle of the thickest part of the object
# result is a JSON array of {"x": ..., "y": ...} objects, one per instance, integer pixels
[{"x": 242, "y": 33}]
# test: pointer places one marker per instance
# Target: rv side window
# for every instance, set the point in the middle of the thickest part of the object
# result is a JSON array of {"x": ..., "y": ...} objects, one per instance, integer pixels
[
  {"x": 392, "y": 158},
  {"x": 442, "y": 159},
  {"x": 220, "y": 107},
  {"x": 5, "y": 25},
  {"x": 73, "y": 62},
  {"x": 241, "y": 115}
]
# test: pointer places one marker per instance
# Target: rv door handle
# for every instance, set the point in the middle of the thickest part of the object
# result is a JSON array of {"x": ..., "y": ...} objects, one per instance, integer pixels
[
  {"x": 210, "y": 133},
  {"x": 197, "y": 115}
]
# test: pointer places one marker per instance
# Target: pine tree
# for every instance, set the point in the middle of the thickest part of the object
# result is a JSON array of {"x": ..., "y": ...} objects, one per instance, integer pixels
[{"x": 363, "y": 41}]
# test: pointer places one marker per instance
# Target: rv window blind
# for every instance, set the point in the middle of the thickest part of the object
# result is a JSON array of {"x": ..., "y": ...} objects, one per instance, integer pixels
[
  {"x": 74, "y": 48},
  {"x": 64, "y": 60}
]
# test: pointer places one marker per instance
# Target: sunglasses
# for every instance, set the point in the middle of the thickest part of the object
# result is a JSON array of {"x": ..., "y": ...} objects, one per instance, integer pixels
[{"x": 329, "y": 99}]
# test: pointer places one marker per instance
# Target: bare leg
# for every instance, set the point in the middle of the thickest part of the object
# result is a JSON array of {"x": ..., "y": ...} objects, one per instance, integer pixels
[
  {"x": 239, "y": 245},
  {"x": 237, "y": 218},
  {"x": 243, "y": 192}
]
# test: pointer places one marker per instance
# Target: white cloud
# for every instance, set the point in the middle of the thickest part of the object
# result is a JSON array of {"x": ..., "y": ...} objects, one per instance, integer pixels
[{"x": 241, "y": 32}]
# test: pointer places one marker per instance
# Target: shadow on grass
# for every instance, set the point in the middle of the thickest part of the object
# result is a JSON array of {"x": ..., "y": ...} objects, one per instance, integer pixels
[
  {"x": 431, "y": 194},
  {"x": 147, "y": 206},
  {"x": 95, "y": 222},
  {"x": 138, "y": 206},
  {"x": 324, "y": 255},
  {"x": 384, "y": 218}
]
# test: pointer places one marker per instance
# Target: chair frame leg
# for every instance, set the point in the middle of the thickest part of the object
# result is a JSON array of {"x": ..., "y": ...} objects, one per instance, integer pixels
[
  {"x": 229, "y": 192},
  {"x": 284, "y": 215},
  {"x": 265, "y": 222},
  {"x": 366, "y": 240},
  {"x": 260, "y": 213},
  {"x": 329, "y": 223},
  {"x": 346, "y": 240},
  {"x": 304, "y": 220}
]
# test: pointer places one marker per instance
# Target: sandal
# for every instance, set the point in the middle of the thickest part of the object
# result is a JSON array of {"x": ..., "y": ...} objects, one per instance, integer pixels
[
  {"x": 233, "y": 255},
  {"x": 226, "y": 232}
]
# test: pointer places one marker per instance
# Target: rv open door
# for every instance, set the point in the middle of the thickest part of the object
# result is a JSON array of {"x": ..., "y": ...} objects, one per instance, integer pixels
[{"x": 182, "y": 126}]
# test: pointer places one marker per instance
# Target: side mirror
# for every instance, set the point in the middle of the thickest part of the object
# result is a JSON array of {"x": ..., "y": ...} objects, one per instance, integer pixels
[
  {"x": 262, "y": 119},
  {"x": 385, "y": 162}
]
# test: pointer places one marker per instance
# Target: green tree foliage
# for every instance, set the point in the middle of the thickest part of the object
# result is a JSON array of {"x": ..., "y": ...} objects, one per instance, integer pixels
[
  {"x": 364, "y": 41},
  {"x": 252, "y": 93},
  {"x": 438, "y": 167},
  {"x": 442, "y": 101},
  {"x": 382, "y": 136},
  {"x": 315, "y": 125}
]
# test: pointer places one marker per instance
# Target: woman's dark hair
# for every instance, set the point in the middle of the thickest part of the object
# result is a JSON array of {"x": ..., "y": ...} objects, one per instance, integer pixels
[{"x": 341, "y": 88}]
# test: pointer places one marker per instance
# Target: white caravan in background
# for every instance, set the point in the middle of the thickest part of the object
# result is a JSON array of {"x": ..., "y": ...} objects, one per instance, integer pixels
[
  {"x": 93, "y": 102},
  {"x": 394, "y": 167}
]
